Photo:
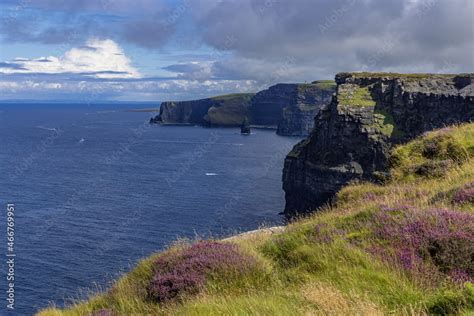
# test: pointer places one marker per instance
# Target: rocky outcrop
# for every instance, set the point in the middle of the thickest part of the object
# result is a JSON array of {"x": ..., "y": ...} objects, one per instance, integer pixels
[
  {"x": 290, "y": 107},
  {"x": 353, "y": 135},
  {"x": 245, "y": 127},
  {"x": 225, "y": 110}
]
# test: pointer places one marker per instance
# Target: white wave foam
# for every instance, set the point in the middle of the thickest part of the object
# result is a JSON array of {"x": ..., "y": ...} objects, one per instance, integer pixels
[{"x": 46, "y": 128}]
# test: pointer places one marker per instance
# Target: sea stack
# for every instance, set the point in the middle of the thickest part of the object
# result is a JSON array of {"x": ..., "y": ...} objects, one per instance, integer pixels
[{"x": 245, "y": 127}]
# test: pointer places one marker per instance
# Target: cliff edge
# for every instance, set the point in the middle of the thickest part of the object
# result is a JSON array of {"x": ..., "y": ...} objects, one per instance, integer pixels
[
  {"x": 223, "y": 110},
  {"x": 291, "y": 107},
  {"x": 288, "y": 107},
  {"x": 369, "y": 113}
]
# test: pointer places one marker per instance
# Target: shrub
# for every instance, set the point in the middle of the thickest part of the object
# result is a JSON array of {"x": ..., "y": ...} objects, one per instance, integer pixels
[
  {"x": 103, "y": 312},
  {"x": 443, "y": 146},
  {"x": 432, "y": 155},
  {"x": 186, "y": 271},
  {"x": 432, "y": 168},
  {"x": 464, "y": 194},
  {"x": 447, "y": 302},
  {"x": 441, "y": 237}
]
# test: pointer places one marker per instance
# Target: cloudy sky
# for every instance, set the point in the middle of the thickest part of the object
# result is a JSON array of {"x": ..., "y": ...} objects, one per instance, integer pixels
[{"x": 152, "y": 50}]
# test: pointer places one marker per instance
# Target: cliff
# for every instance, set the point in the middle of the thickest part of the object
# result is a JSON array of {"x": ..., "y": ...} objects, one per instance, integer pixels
[
  {"x": 224, "y": 110},
  {"x": 288, "y": 107},
  {"x": 370, "y": 113},
  {"x": 291, "y": 107}
]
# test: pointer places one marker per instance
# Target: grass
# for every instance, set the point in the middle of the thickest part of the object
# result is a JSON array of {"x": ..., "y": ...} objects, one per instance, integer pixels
[
  {"x": 386, "y": 124},
  {"x": 393, "y": 75},
  {"x": 433, "y": 153},
  {"x": 359, "y": 96},
  {"x": 325, "y": 84},
  {"x": 230, "y": 110},
  {"x": 402, "y": 247},
  {"x": 233, "y": 96}
]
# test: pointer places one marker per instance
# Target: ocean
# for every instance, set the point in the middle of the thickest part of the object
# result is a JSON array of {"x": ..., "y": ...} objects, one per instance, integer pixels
[{"x": 95, "y": 188}]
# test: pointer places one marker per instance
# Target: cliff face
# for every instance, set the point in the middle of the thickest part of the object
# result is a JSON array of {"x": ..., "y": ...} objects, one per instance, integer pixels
[
  {"x": 290, "y": 107},
  {"x": 184, "y": 112},
  {"x": 225, "y": 110},
  {"x": 230, "y": 110},
  {"x": 367, "y": 116}
]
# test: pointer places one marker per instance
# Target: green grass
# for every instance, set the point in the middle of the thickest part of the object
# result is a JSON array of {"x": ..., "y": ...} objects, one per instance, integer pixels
[
  {"x": 359, "y": 96},
  {"x": 434, "y": 153},
  {"x": 321, "y": 265},
  {"x": 233, "y": 96},
  {"x": 386, "y": 124},
  {"x": 393, "y": 75},
  {"x": 325, "y": 84},
  {"x": 231, "y": 110}
]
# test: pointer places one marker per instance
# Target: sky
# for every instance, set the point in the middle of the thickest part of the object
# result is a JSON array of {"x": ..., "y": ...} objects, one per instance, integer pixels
[{"x": 152, "y": 50}]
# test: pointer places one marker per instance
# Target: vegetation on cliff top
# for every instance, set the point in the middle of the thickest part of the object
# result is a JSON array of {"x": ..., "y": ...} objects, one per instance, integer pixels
[
  {"x": 402, "y": 247},
  {"x": 325, "y": 84},
  {"x": 358, "y": 96},
  {"x": 246, "y": 96},
  {"x": 394, "y": 75},
  {"x": 230, "y": 111}
]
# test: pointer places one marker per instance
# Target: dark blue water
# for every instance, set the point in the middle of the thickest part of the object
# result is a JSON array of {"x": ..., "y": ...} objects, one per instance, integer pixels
[{"x": 96, "y": 188}]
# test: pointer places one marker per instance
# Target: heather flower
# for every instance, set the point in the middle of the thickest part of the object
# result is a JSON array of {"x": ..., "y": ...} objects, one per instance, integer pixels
[
  {"x": 186, "y": 271},
  {"x": 103, "y": 312},
  {"x": 370, "y": 196},
  {"x": 444, "y": 238},
  {"x": 407, "y": 258},
  {"x": 460, "y": 276},
  {"x": 464, "y": 194},
  {"x": 322, "y": 234},
  {"x": 387, "y": 208}
]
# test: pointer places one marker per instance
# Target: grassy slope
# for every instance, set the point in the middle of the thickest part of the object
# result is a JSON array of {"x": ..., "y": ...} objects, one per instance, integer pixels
[
  {"x": 325, "y": 84},
  {"x": 321, "y": 264},
  {"x": 232, "y": 96},
  {"x": 359, "y": 97},
  {"x": 231, "y": 111}
]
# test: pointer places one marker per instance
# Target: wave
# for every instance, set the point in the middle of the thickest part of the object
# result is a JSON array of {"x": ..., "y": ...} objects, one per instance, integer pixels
[
  {"x": 211, "y": 174},
  {"x": 47, "y": 128}
]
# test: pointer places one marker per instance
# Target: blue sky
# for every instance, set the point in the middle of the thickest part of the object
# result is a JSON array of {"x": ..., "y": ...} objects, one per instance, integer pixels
[{"x": 146, "y": 50}]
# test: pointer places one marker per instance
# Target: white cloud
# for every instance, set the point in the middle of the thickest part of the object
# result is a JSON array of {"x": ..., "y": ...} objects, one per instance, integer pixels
[
  {"x": 137, "y": 90},
  {"x": 98, "y": 58}
]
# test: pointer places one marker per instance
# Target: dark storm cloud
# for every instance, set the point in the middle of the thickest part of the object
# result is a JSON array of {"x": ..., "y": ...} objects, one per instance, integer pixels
[
  {"x": 149, "y": 33},
  {"x": 336, "y": 35}
]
